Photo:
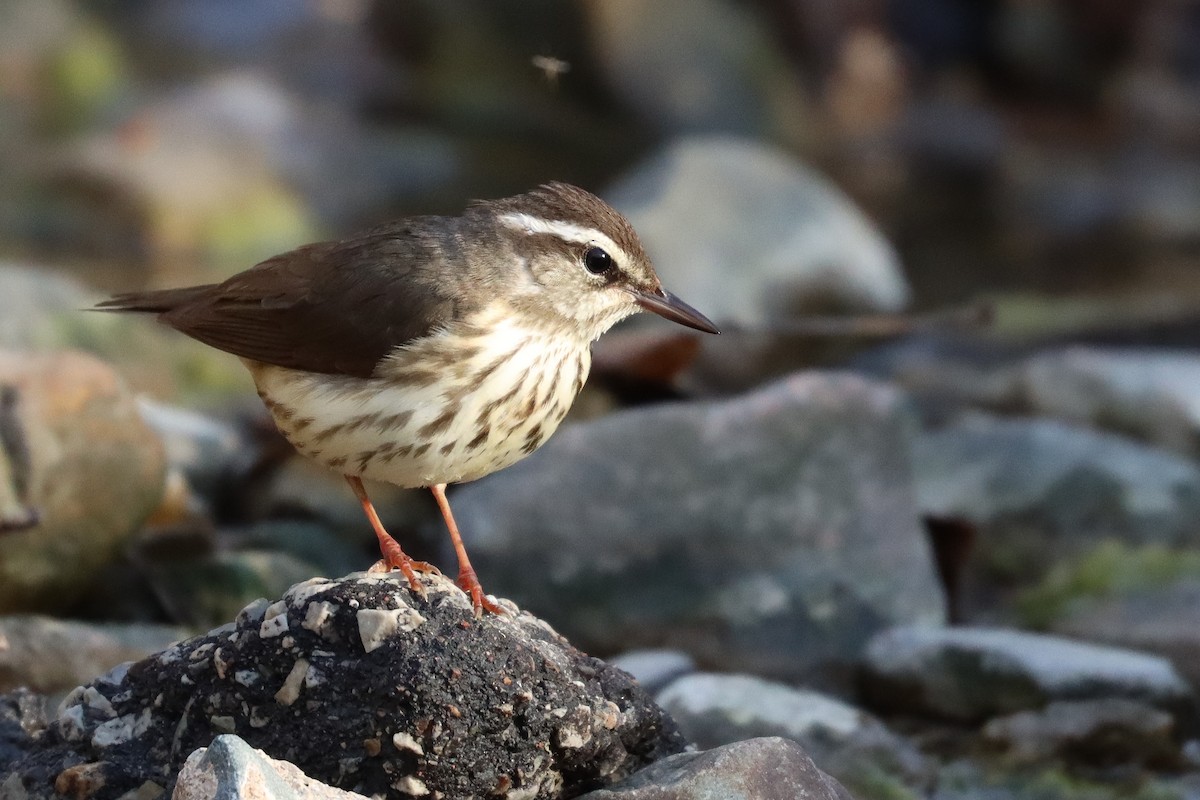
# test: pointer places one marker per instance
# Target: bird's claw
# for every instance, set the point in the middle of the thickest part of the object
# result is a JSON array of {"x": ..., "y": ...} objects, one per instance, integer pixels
[
  {"x": 469, "y": 583},
  {"x": 409, "y": 568}
]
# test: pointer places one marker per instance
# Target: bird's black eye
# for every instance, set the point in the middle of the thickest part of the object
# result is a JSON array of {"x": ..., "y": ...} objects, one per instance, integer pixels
[{"x": 597, "y": 261}]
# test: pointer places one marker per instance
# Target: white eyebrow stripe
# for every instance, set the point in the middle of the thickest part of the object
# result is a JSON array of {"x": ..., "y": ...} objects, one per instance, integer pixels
[{"x": 567, "y": 231}]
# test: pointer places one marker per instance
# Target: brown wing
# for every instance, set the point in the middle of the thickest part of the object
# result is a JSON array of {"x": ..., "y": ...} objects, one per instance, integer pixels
[{"x": 333, "y": 307}]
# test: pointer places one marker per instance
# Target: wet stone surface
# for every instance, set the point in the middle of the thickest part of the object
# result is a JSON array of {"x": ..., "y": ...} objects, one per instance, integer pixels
[{"x": 369, "y": 688}]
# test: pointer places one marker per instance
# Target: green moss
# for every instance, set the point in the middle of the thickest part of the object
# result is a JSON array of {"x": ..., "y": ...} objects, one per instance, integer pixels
[
  {"x": 265, "y": 221},
  {"x": 1112, "y": 568},
  {"x": 873, "y": 783},
  {"x": 1056, "y": 784},
  {"x": 963, "y": 781},
  {"x": 83, "y": 76}
]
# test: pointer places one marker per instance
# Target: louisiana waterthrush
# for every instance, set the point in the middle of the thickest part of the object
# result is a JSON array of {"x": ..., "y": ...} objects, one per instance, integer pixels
[{"x": 431, "y": 350}]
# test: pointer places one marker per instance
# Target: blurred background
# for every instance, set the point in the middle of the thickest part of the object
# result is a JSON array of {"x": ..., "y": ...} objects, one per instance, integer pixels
[{"x": 954, "y": 248}]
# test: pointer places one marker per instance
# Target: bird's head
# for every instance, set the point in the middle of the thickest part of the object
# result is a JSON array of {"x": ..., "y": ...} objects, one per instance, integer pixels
[{"x": 580, "y": 261}]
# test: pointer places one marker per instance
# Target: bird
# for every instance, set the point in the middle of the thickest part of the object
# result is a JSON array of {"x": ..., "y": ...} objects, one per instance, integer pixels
[{"x": 431, "y": 350}]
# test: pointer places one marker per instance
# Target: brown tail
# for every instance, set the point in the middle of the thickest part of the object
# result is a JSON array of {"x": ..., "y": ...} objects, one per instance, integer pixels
[{"x": 154, "y": 302}]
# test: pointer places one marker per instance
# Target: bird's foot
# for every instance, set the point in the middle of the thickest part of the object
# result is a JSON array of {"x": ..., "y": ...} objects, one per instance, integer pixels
[
  {"x": 469, "y": 583},
  {"x": 409, "y": 567}
]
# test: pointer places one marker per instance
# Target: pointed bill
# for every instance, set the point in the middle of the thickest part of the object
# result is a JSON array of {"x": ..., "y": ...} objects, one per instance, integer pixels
[{"x": 671, "y": 307}]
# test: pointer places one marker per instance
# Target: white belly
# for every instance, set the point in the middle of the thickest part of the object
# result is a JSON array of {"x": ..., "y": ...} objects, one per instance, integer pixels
[{"x": 431, "y": 416}]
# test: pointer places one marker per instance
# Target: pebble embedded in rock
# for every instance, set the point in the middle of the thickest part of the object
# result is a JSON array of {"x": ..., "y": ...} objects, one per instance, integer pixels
[{"x": 230, "y": 768}]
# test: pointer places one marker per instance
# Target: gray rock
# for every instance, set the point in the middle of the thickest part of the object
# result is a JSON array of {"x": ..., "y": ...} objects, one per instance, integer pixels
[
  {"x": 770, "y": 534},
  {"x": 654, "y": 669},
  {"x": 1108, "y": 732},
  {"x": 1152, "y": 394},
  {"x": 714, "y": 710},
  {"x": 758, "y": 769},
  {"x": 946, "y": 373},
  {"x": 705, "y": 204},
  {"x": 1040, "y": 491},
  {"x": 976, "y": 673},
  {"x": 366, "y": 686},
  {"x": 52, "y": 655},
  {"x": 1164, "y": 620},
  {"x": 230, "y": 769}
]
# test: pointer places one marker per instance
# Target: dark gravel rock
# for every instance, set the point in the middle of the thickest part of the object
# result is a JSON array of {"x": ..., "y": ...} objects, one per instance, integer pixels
[
  {"x": 22, "y": 720},
  {"x": 756, "y": 769},
  {"x": 367, "y": 687}
]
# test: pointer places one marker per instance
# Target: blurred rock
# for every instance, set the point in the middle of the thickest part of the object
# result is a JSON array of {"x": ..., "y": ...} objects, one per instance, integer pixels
[
  {"x": 971, "y": 674},
  {"x": 233, "y": 770},
  {"x": 51, "y": 655},
  {"x": 753, "y": 233},
  {"x": 946, "y": 374},
  {"x": 1151, "y": 394},
  {"x": 1164, "y": 620},
  {"x": 654, "y": 669},
  {"x": 771, "y": 534},
  {"x": 265, "y": 169},
  {"x": 61, "y": 70},
  {"x": 206, "y": 451},
  {"x": 1061, "y": 195},
  {"x": 310, "y": 490},
  {"x": 201, "y": 591},
  {"x": 1041, "y": 492},
  {"x": 723, "y": 70},
  {"x": 1143, "y": 392},
  {"x": 758, "y": 769},
  {"x": 714, "y": 710},
  {"x": 369, "y": 687},
  {"x": 79, "y": 473},
  {"x": 1106, "y": 732},
  {"x": 311, "y": 541}
]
